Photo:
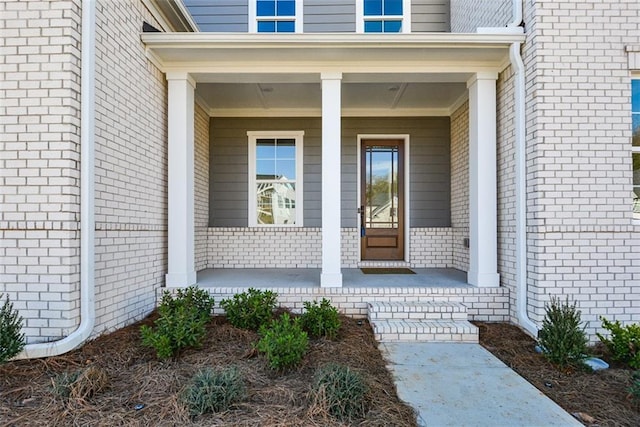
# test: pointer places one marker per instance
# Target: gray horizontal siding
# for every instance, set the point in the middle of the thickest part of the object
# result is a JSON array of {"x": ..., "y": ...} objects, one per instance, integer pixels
[
  {"x": 225, "y": 16},
  {"x": 329, "y": 16},
  {"x": 429, "y": 163},
  {"x": 229, "y": 187},
  {"x": 430, "y": 16}
]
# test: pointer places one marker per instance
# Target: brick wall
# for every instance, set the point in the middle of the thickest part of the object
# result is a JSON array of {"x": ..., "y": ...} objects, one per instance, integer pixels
[
  {"x": 468, "y": 15},
  {"x": 241, "y": 247},
  {"x": 131, "y": 167},
  {"x": 39, "y": 163},
  {"x": 460, "y": 186},
  {"x": 201, "y": 185},
  {"x": 583, "y": 242}
]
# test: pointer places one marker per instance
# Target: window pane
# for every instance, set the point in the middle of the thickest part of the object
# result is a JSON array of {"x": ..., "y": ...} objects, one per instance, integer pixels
[
  {"x": 286, "y": 8},
  {"x": 286, "y": 169},
  {"x": 392, "y": 26},
  {"x": 373, "y": 26},
  {"x": 266, "y": 8},
  {"x": 276, "y": 203},
  {"x": 266, "y": 169},
  {"x": 266, "y": 27},
  {"x": 636, "y": 130},
  {"x": 373, "y": 7},
  {"x": 265, "y": 149},
  {"x": 286, "y": 149},
  {"x": 635, "y": 95},
  {"x": 393, "y": 7},
  {"x": 286, "y": 27}
]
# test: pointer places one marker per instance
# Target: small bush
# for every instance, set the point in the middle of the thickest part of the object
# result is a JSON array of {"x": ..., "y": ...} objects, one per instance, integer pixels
[
  {"x": 320, "y": 320},
  {"x": 181, "y": 322},
  {"x": 80, "y": 384},
  {"x": 562, "y": 339},
  {"x": 340, "y": 391},
  {"x": 634, "y": 390},
  {"x": 251, "y": 309},
  {"x": 283, "y": 342},
  {"x": 11, "y": 338},
  {"x": 624, "y": 343},
  {"x": 213, "y": 390}
]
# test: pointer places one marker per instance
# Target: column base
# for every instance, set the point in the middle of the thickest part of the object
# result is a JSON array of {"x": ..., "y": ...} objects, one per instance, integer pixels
[
  {"x": 483, "y": 280},
  {"x": 180, "y": 280},
  {"x": 331, "y": 280}
]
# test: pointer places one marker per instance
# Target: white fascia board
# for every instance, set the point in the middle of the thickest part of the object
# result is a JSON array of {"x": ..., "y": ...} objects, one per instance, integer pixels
[{"x": 317, "y": 112}]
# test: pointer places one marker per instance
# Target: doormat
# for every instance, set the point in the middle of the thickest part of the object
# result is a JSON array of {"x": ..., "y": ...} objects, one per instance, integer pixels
[{"x": 387, "y": 271}]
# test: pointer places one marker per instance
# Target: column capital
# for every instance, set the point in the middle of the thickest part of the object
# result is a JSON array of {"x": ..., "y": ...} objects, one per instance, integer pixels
[
  {"x": 181, "y": 75},
  {"x": 482, "y": 75},
  {"x": 333, "y": 75}
]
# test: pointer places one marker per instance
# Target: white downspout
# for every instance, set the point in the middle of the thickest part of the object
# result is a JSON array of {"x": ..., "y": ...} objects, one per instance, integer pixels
[
  {"x": 521, "y": 175},
  {"x": 87, "y": 203}
]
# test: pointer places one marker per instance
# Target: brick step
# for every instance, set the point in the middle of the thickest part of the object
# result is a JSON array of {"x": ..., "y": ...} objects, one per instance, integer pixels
[
  {"x": 425, "y": 331},
  {"x": 422, "y": 310}
]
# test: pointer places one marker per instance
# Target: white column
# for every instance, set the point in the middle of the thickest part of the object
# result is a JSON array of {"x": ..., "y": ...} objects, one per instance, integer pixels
[
  {"x": 331, "y": 192},
  {"x": 181, "y": 180},
  {"x": 483, "y": 229}
]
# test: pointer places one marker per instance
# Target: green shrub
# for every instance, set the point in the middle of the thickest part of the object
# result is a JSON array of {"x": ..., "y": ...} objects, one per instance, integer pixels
[
  {"x": 562, "y": 339},
  {"x": 340, "y": 391},
  {"x": 283, "y": 342},
  {"x": 624, "y": 343},
  {"x": 212, "y": 390},
  {"x": 251, "y": 309},
  {"x": 181, "y": 322},
  {"x": 61, "y": 384},
  {"x": 320, "y": 320},
  {"x": 634, "y": 390},
  {"x": 11, "y": 338}
]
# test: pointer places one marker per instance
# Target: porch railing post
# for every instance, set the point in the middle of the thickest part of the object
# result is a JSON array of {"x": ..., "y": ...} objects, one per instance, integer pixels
[
  {"x": 331, "y": 191},
  {"x": 181, "y": 180},
  {"x": 483, "y": 229}
]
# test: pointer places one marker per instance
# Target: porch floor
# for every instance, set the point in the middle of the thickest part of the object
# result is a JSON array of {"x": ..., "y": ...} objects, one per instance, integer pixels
[{"x": 308, "y": 277}]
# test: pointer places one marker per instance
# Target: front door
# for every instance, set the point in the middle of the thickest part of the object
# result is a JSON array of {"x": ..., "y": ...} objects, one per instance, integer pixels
[{"x": 382, "y": 204}]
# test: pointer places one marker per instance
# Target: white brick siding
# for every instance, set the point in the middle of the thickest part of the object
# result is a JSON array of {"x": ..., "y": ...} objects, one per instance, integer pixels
[
  {"x": 201, "y": 185},
  {"x": 240, "y": 247},
  {"x": 468, "y": 15},
  {"x": 582, "y": 240},
  {"x": 460, "y": 186},
  {"x": 483, "y": 304},
  {"x": 39, "y": 163},
  {"x": 131, "y": 167}
]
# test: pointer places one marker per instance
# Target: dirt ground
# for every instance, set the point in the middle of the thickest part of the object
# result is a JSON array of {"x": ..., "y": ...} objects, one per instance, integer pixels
[
  {"x": 142, "y": 391},
  {"x": 599, "y": 398},
  {"x": 135, "y": 377}
]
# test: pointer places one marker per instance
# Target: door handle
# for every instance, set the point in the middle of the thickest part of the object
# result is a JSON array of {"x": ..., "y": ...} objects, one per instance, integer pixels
[{"x": 362, "y": 227}]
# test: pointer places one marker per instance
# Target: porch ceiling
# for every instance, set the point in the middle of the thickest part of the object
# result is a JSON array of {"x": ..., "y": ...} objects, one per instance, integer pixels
[{"x": 249, "y": 74}]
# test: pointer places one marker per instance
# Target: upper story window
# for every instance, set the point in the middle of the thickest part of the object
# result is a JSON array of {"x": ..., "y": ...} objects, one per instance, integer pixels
[
  {"x": 383, "y": 16},
  {"x": 635, "y": 145},
  {"x": 275, "y": 178},
  {"x": 275, "y": 16}
]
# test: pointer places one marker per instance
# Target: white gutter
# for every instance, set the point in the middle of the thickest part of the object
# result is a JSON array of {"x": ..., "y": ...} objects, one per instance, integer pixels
[
  {"x": 521, "y": 175},
  {"x": 87, "y": 203}
]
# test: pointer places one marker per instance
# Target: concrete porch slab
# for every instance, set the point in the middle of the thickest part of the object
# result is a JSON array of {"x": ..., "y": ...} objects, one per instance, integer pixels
[{"x": 308, "y": 277}]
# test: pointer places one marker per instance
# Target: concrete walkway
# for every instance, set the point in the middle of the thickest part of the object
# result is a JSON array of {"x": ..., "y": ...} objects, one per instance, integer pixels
[{"x": 465, "y": 385}]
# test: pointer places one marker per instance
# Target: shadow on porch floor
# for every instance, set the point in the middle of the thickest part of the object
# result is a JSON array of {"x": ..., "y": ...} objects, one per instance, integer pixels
[{"x": 351, "y": 277}]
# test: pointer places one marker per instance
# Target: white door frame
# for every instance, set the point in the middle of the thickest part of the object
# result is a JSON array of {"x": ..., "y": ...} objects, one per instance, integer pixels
[{"x": 405, "y": 195}]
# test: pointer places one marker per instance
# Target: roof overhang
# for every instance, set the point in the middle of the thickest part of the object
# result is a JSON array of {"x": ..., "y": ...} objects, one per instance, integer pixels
[{"x": 201, "y": 54}]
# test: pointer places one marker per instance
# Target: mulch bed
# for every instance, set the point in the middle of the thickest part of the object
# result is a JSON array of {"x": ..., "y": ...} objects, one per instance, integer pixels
[
  {"x": 136, "y": 377},
  {"x": 600, "y": 398}
]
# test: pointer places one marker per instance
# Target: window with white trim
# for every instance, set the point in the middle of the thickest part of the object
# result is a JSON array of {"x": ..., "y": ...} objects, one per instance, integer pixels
[
  {"x": 635, "y": 145},
  {"x": 384, "y": 16},
  {"x": 275, "y": 16},
  {"x": 275, "y": 178}
]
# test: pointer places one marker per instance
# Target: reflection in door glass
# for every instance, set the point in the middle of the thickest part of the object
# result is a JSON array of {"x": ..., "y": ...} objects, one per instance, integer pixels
[{"x": 381, "y": 187}]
